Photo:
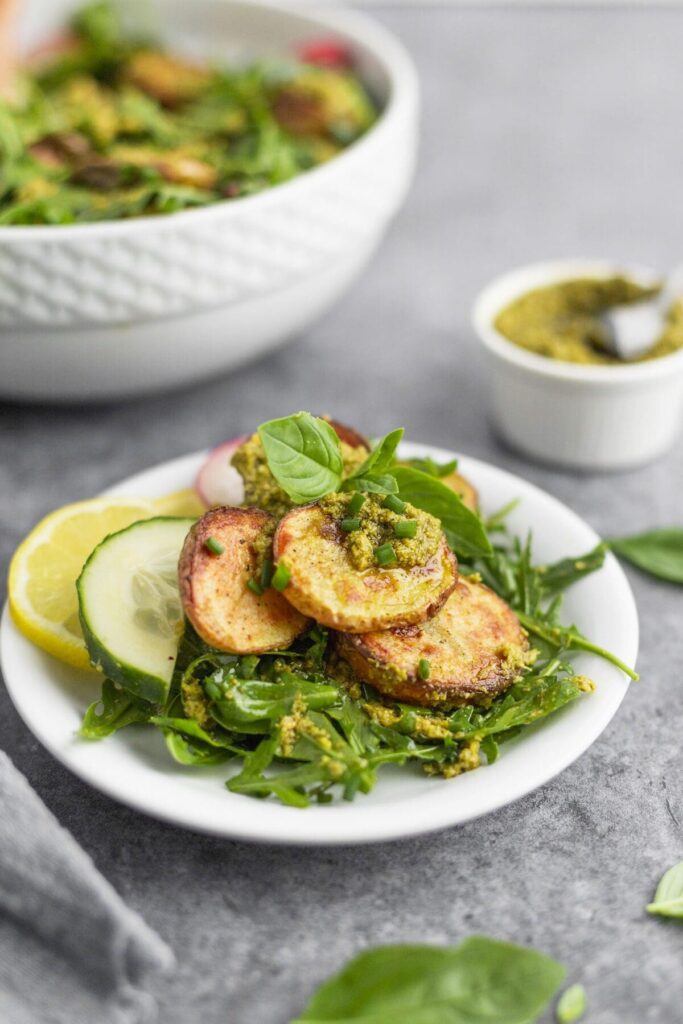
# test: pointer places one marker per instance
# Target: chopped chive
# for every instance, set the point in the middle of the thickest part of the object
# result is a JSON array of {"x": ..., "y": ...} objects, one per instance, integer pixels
[
  {"x": 423, "y": 668},
  {"x": 356, "y": 503},
  {"x": 385, "y": 554},
  {"x": 406, "y": 528},
  {"x": 281, "y": 577},
  {"x": 214, "y": 546},
  {"x": 350, "y": 525},
  {"x": 266, "y": 573},
  {"x": 255, "y": 587},
  {"x": 394, "y": 504}
]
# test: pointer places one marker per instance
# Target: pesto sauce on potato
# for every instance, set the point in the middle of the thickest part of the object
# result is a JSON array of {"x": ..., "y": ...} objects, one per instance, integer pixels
[
  {"x": 377, "y": 527},
  {"x": 563, "y": 321}
]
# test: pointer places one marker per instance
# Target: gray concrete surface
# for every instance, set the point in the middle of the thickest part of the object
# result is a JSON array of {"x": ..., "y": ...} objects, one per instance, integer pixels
[{"x": 546, "y": 134}]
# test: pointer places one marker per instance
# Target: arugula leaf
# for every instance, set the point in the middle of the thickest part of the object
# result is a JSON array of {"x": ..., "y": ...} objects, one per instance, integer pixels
[
  {"x": 464, "y": 529},
  {"x": 432, "y": 468},
  {"x": 304, "y": 455},
  {"x": 568, "y": 638},
  {"x": 657, "y": 552},
  {"x": 572, "y": 1005},
  {"x": 185, "y": 750},
  {"x": 560, "y": 575},
  {"x": 668, "y": 901},
  {"x": 481, "y": 980},
  {"x": 115, "y": 709}
]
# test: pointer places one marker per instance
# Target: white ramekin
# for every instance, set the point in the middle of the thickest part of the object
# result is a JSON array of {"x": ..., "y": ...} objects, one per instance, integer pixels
[
  {"x": 97, "y": 311},
  {"x": 587, "y": 417}
]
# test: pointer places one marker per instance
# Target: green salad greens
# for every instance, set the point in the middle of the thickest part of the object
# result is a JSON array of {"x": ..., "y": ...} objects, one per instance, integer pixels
[
  {"x": 110, "y": 126},
  {"x": 296, "y": 723}
]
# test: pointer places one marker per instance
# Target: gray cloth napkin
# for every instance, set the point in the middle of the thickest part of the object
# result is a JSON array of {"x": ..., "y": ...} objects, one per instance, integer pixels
[{"x": 71, "y": 952}]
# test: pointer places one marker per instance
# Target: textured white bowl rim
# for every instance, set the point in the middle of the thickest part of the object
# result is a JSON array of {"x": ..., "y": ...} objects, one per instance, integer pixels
[
  {"x": 403, "y": 93},
  {"x": 409, "y": 807},
  {"x": 501, "y": 291}
]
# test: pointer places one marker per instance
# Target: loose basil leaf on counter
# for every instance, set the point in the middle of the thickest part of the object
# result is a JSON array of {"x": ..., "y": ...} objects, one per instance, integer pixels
[
  {"x": 464, "y": 529},
  {"x": 481, "y": 980},
  {"x": 304, "y": 455},
  {"x": 657, "y": 552},
  {"x": 572, "y": 1005},
  {"x": 668, "y": 901},
  {"x": 115, "y": 709}
]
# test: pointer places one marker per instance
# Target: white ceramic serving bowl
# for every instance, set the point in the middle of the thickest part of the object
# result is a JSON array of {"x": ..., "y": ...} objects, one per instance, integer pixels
[
  {"x": 96, "y": 311},
  {"x": 586, "y": 417}
]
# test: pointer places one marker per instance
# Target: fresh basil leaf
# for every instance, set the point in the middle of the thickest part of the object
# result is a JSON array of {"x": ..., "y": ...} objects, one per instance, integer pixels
[
  {"x": 115, "y": 709},
  {"x": 304, "y": 455},
  {"x": 432, "y": 468},
  {"x": 186, "y": 750},
  {"x": 385, "y": 484},
  {"x": 657, "y": 552},
  {"x": 668, "y": 901},
  {"x": 381, "y": 458},
  {"x": 482, "y": 981},
  {"x": 572, "y": 1005},
  {"x": 464, "y": 529}
]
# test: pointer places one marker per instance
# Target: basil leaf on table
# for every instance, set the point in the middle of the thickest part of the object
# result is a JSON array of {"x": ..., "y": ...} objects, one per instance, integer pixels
[
  {"x": 668, "y": 901},
  {"x": 464, "y": 529},
  {"x": 304, "y": 455},
  {"x": 657, "y": 552},
  {"x": 572, "y": 1005},
  {"x": 482, "y": 981}
]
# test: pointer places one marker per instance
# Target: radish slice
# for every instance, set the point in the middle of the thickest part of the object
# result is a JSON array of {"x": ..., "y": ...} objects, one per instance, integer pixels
[
  {"x": 326, "y": 53},
  {"x": 219, "y": 483}
]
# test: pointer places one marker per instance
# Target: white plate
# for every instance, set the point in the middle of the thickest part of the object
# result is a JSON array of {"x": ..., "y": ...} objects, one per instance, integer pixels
[{"x": 134, "y": 767}]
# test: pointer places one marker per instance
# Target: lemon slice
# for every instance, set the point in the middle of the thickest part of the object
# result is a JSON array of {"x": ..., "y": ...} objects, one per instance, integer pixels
[
  {"x": 186, "y": 504},
  {"x": 46, "y": 565}
]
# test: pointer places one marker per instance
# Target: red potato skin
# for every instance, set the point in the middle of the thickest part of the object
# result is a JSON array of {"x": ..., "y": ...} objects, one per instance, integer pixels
[
  {"x": 348, "y": 435},
  {"x": 213, "y": 588}
]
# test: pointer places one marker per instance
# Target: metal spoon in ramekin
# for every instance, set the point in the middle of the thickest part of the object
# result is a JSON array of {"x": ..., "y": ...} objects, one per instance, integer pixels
[{"x": 633, "y": 328}]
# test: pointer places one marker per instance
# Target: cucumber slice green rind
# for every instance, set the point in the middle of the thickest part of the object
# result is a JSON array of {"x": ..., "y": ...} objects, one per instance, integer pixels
[{"x": 111, "y": 659}]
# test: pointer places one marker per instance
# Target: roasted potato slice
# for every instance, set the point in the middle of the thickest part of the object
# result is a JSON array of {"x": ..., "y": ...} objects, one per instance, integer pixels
[
  {"x": 463, "y": 488},
  {"x": 213, "y": 587},
  {"x": 474, "y": 647},
  {"x": 325, "y": 585}
]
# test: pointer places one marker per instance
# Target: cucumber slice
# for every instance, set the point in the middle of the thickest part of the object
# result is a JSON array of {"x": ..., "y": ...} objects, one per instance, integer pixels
[{"x": 129, "y": 605}]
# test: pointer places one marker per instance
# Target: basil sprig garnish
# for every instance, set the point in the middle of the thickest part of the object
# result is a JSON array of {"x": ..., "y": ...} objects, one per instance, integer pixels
[{"x": 304, "y": 455}]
